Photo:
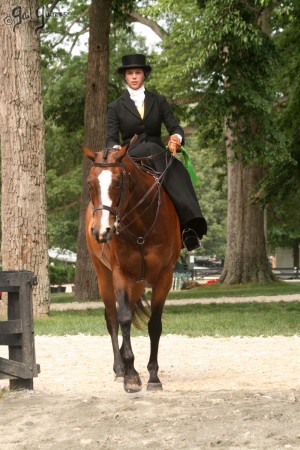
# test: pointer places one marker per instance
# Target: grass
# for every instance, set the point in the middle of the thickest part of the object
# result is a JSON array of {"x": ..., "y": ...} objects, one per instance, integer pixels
[
  {"x": 214, "y": 319},
  {"x": 240, "y": 319},
  {"x": 223, "y": 319},
  {"x": 217, "y": 290}
]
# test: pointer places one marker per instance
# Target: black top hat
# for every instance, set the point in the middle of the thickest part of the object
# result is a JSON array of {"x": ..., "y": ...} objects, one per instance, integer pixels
[{"x": 136, "y": 61}]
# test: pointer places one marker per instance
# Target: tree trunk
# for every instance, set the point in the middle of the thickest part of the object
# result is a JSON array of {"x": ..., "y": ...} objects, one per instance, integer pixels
[
  {"x": 95, "y": 115},
  {"x": 246, "y": 256},
  {"x": 23, "y": 216}
]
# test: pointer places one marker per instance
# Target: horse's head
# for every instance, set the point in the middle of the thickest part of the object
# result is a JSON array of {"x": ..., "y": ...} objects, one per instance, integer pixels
[{"x": 106, "y": 182}]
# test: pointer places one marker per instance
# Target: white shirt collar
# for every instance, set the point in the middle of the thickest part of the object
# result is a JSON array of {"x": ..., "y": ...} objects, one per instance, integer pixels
[{"x": 137, "y": 95}]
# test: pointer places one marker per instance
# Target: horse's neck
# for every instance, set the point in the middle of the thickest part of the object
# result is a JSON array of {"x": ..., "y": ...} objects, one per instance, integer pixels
[
  {"x": 141, "y": 180},
  {"x": 143, "y": 189}
]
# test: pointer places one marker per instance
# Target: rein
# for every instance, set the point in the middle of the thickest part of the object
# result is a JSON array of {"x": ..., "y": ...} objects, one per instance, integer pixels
[
  {"x": 158, "y": 181},
  {"x": 140, "y": 240}
]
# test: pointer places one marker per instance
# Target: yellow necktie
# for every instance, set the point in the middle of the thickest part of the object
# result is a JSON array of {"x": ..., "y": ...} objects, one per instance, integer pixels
[{"x": 141, "y": 111}]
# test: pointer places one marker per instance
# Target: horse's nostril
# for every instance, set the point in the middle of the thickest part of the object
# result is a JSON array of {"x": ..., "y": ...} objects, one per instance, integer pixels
[
  {"x": 95, "y": 232},
  {"x": 107, "y": 233}
]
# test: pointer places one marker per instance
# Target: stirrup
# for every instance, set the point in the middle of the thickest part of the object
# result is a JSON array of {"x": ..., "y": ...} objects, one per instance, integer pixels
[{"x": 190, "y": 240}]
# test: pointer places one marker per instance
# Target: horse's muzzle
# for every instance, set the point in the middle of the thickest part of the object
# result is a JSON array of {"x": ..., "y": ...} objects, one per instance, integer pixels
[{"x": 102, "y": 238}]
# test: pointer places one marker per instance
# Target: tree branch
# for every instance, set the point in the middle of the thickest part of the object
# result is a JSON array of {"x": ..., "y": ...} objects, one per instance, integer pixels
[
  {"x": 70, "y": 26},
  {"x": 62, "y": 208},
  {"x": 186, "y": 100},
  {"x": 50, "y": 10},
  {"x": 136, "y": 17},
  {"x": 281, "y": 102}
]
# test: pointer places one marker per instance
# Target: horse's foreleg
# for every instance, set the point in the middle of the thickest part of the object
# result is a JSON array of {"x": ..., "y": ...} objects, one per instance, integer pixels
[
  {"x": 159, "y": 294},
  {"x": 105, "y": 285},
  {"x": 154, "y": 329},
  {"x": 113, "y": 331},
  {"x": 132, "y": 381}
]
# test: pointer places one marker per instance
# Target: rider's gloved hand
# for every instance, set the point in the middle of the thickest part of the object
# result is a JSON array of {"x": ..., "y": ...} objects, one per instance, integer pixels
[{"x": 174, "y": 144}]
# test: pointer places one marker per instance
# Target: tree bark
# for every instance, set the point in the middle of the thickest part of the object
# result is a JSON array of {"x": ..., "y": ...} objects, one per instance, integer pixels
[
  {"x": 24, "y": 222},
  {"x": 94, "y": 131},
  {"x": 246, "y": 255}
]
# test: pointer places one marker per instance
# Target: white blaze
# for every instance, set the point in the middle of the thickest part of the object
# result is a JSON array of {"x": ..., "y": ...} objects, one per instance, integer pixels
[{"x": 105, "y": 179}]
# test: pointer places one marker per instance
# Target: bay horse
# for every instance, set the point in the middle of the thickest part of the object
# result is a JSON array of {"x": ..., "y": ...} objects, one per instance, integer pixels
[{"x": 133, "y": 237}]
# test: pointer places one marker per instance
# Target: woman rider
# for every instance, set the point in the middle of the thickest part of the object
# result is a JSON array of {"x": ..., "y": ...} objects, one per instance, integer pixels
[{"x": 141, "y": 112}]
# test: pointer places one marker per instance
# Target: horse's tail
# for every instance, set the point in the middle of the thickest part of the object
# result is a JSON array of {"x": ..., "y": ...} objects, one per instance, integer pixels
[{"x": 141, "y": 313}]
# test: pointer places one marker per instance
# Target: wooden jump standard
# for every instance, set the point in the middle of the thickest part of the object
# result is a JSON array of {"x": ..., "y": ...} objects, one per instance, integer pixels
[{"x": 17, "y": 332}]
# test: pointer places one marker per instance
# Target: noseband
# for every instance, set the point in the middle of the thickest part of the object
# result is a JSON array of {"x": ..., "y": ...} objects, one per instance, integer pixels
[{"x": 114, "y": 212}]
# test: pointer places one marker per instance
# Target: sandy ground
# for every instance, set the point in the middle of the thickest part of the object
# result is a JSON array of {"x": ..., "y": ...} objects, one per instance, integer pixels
[{"x": 225, "y": 393}]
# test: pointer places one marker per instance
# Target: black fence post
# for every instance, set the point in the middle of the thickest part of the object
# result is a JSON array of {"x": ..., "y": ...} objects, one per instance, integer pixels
[{"x": 18, "y": 331}]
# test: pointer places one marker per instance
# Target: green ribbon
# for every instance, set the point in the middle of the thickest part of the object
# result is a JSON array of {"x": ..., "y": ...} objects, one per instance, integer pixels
[{"x": 189, "y": 167}]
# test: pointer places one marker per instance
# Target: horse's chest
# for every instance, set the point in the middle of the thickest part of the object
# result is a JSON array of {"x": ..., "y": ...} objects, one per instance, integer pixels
[
  {"x": 141, "y": 259},
  {"x": 130, "y": 257}
]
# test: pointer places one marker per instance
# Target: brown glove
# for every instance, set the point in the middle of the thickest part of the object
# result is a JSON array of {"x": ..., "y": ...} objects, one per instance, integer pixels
[{"x": 174, "y": 144}]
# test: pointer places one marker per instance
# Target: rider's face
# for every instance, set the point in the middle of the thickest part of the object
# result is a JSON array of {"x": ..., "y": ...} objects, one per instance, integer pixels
[{"x": 134, "y": 78}]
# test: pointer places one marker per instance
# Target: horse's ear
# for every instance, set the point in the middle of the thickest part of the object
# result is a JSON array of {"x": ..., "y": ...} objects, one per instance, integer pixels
[
  {"x": 132, "y": 141},
  {"x": 88, "y": 152},
  {"x": 124, "y": 150}
]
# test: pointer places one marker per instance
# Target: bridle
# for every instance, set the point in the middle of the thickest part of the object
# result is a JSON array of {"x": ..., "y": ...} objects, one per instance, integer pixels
[
  {"x": 140, "y": 240},
  {"x": 116, "y": 212},
  {"x": 100, "y": 207}
]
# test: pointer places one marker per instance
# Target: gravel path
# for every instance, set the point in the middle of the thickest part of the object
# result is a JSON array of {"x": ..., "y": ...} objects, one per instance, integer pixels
[
  {"x": 224, "y": 393},
  {"x": 190, "y": 301}
]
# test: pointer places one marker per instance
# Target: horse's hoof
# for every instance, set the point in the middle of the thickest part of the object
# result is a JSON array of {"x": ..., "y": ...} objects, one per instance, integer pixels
[
  {"x": 132, "y": 389},
  {"x": 132, "y": 385},
  {"x": 154, "y": 387},
  {"x": 119, "y": 378}
]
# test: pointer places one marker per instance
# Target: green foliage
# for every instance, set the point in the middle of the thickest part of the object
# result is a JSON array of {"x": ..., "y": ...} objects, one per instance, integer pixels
[
  {"x": 230, "y": 66},
  {"x": 63, "y": 189},
  {"x": 120, "y": 10},
  {"x": 64, "y": 98},
  {"x": 60, "y": 29},
  {"x": 281, "y": 187},
  {"x": 63, "y": 194},
  {"x": 64, "y": 91},
  {"x": 64, "y": 95},
  {"x": 61, "y": 273},
  {"x": 63, "y": 227},
  {"x": 218, "y": 65},
  {"x": 212, "y": 195},
  {"x": 284, "y": 215}
]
